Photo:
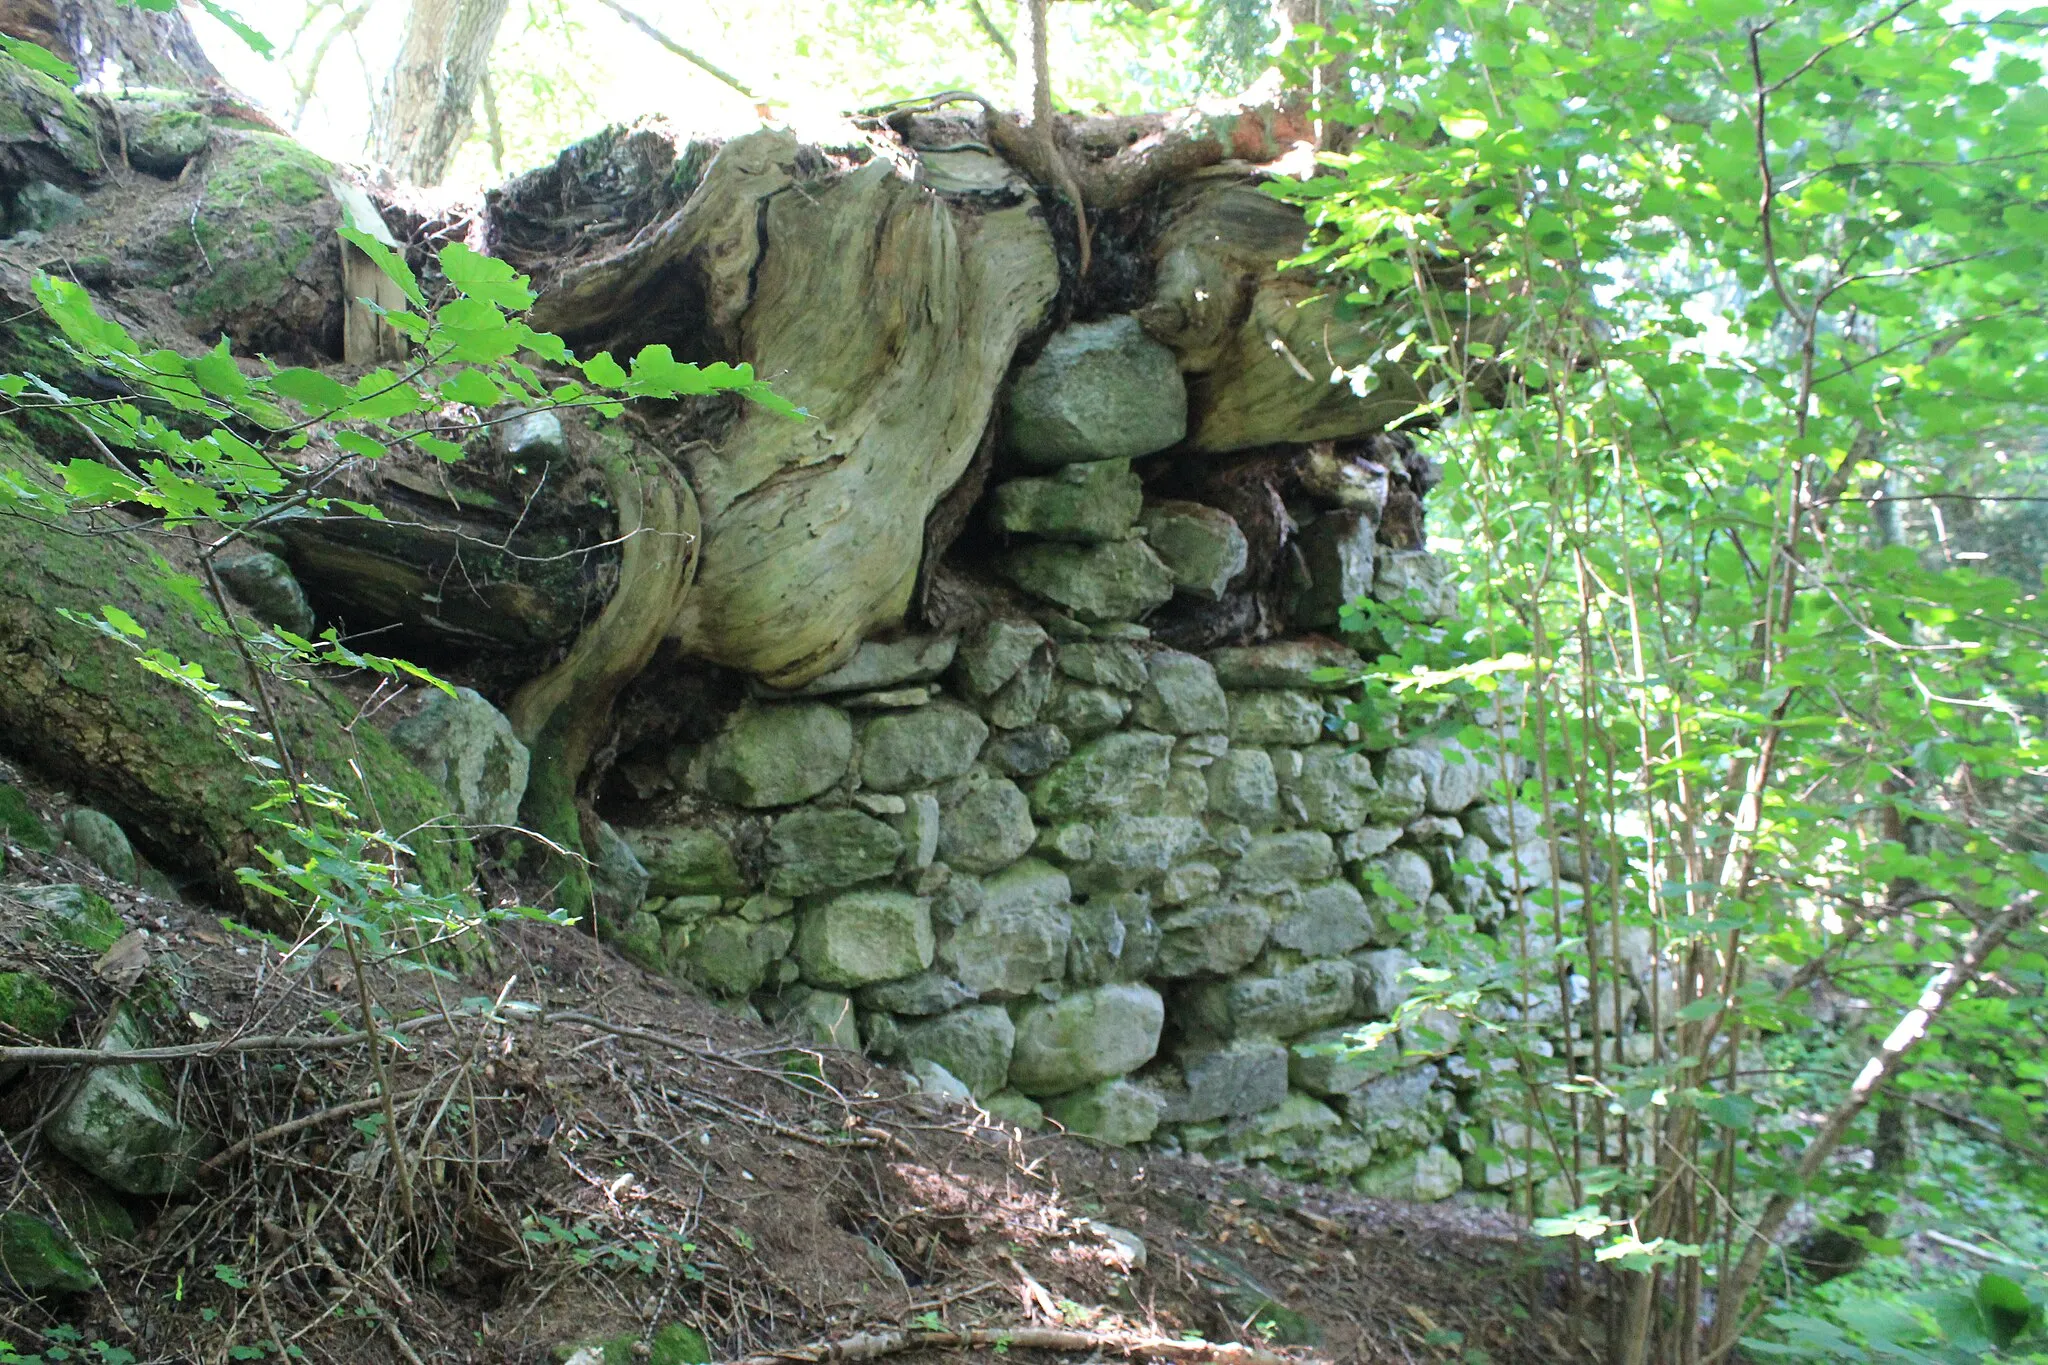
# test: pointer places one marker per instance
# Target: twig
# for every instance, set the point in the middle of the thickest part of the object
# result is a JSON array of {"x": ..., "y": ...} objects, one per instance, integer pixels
[
  {"x": 694, "y": 58},
  {"x": 320, "y": 1116},
  {"x": 875, "y": 1345},
  {"x": 92, "y": 1056},
  {"x": 991, "y": 32}
]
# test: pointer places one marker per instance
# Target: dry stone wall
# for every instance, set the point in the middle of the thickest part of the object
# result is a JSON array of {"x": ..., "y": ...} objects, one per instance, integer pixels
[{"x": 1053, "y": 865}]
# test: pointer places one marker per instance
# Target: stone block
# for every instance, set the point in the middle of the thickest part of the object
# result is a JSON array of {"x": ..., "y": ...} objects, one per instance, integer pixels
[
  {"x": 1088, "y": 1036},
  {"x": 814, "y": 850},
  {"x": 857, "y": 937},
  {"x": 920, "y": 748},
  {"x": 1120, "y": 580},
  {"x": 99, "y": 838},
  {"x": 1201, "y": 546},
  {"x": 1327, "y": 919},
  {"x": 1181, "y": 696},
  {"x": 1282, "y": 861},
  {"x": 466, "y": 746},
  {"x": 1336, "y": 788},
  {"x": 1084, "y": 710},
  {"x": 265, "y": 585},
  {"x": 1097, "y": 391},
  {"x": 1304, "y": 665},
  {"x": 1423, "y": 1177},
  {"x": 1118, "y": 1112},
  {"x": 1232, "y": 1080},
  {"x": 986, "y": 827},
  {"x": 732, "y": 956},
  {"x": 778, "y": 755},
  {"x": 1383, "y": 983},
  {"x": 1275, "y": 717},
  {"x": 686, "y": 860},
  {"x": 1093, "y": 501},
  {"x": 1114, "y": 664},
  {"x": 826, "y": 1017},
  {"x": 1026, "y": 752},
  {"x": 992, "y": 655},
  {"x": 1417, "y": 579},
  {"x": 929, "y": 992},
  {"x": 1131, "y": 850},
  {"x": 1126, "y": 771},
  {"x": 1338, "y": 549},
  {"x": 123, "y": 1124},
  {"x": 1243, "y": 787},
  {"x": 973, "y": 1043},
  {"x": 1283, "y": 1005},
  {"x": 1017, "y": 702},
  {"x": 1211, "y": 938},
  {"x": 1014, "y": 934},
  {"x": 1330, "y": 1062}
]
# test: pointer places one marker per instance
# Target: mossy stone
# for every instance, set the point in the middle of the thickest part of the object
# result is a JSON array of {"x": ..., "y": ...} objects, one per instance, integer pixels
[
  {"x": 687, "y": 860},
  {"x": 105, "y": 845},
  {"x": 779, "y": 755},
  {"x": 21, "y": 824},
  {"x": 36, "y": 109},
  {"x": 32, "y": 1007},
  {"x": 814, "y": 850},
  {"x": 253, "y": 241},
  {"x": 35, "y": 1256},
  {"x": 74, "y": 915},
  {"x": 858, "y": 937},
  {"x": 920, "y": 748}
]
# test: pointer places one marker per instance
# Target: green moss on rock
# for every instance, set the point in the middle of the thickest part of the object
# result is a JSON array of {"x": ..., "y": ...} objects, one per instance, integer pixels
[
  {"x": 20, "y": 823},
  {"x": 36, "y": 1257},
  {"x": 37, "y": 111},
  {"x": 31, "y": 1007}
]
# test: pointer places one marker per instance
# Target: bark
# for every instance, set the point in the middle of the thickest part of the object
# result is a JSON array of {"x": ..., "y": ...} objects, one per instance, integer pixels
[
  {"x": 429, "y": 99},
  {"x": 113, "y": 44}
]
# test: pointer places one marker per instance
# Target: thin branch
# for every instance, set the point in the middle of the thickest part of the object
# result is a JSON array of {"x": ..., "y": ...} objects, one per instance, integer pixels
[
  {"x": 694, "y": 58},
  {"x": 991, "y": 32}
]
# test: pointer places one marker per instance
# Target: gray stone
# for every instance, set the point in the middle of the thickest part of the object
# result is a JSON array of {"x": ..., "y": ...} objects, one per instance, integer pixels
[
  {"x": 532, "y": 436},
  {"x": 1120, "y": 580},
  {"x": 992, "y": 655},
  {"x": 40, "y": 206},
  {"x": 1284, "y": 1005},
  {"x": 1330, "y": 1062},
  {"x": 1014, "y": 934},
  {"x": 687, "y": 860},
  {"x": 929, "y": 992},
  {"x": 1326, "y": 920},
  {"x": 163, "y": 130},
  {"x": 1211, "y": 938},
  {"x": 1417, "y": 579},
  {"x": 1233, "y": 1080},
  {"x": 1085, "y": 711},
  {"x": 1383, "y": 982},
  {"x": 265, "y": 585},
  {"x": 1073, "y": 842},
  {"x": 1404, "y": 775},
  {"x": 1242, "y": 787},
  {"x": 1181, "y": 696},
  {"x": 1435, "y": 829},
  {"x": 1503, "y": 826},
  {"x": 732, "y": 956},
  {"x": 779, "y": 755},
  {"x": 1462, "y": 778},
  {"x": 814, "y": 850},
  {"x": 1026, "y": 752},
  {"x": 1201, "y": 546},
  {"x": 879, "y": 665},
  {"x": 973, "y": 1043},
  {"x": 1119, "y": 772},
  {"x": 892, "y": 699},
  {"x": 986, "y": 828},
  {"x": 1360, "y": 844},
  {"x": 696, "y": 909},
  {"x": 1403, "y": 1109},
  {"x": 920, "y": 748},
  {"x": 100, "y": 839},
  {"x": 919, "y": 827},
  {"x": 1290, "y": 1132},
  {"x": 123, "y": 1123},
  {"x": 1097, "y": 945},
  {"x": 466, "y": 745},
  {"x": 1017, "y": 1110},
  {"x": 1097, "y": 391},
  {"x": 934, "y": 1080},
  {"x": 1341, "y": 480},
  {"x": 618, "y": 882},
  {"x": 1275, "y": 717},
  {"x": 1280, "y": 862},
  {"x": 1401, "y": 874},
  {"x": 1088, "y": 1036},
  {"x": 857, "y": 937},
  {"x": 1298, "y": 664},
  {"x": 824, "y": 1016},
  {"x": 1082, "y": 502},
  {"x": 1424, "y": 1177},
  {"x": 1338, "y": 549},
  {"x": 1018, "y": 701},
  {"x": 1104, "y": 663},
  {"x": 1336, "y": 788},
  {"x": 1189, "y": 882},
  {"x": 1131, "y": 850},
  {"x": 1525, "y": 869},
  {"x": 1119, "y": 1113}
]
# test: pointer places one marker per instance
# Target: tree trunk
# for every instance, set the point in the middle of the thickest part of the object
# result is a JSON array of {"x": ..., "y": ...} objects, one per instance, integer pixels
[
  {"x": 115, "y": 45},
  {"x": 429, "y": 100}
]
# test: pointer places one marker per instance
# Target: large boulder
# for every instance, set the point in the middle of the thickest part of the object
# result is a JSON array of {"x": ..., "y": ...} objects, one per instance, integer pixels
[
  {"x": 1120, "y": 580},
  {"x": 973, "y": 1043},
  {"x": 1097, "y": 391},
  {"x": 1088, "y": 1036},
  {"x": 1082, "y": 502},
  {"x": 466, "y": 744},
  {"x": 264, "y": 583},
  {"x": 779, "y": 755},
  {"x": 857, "y": 937},
  {"x": 100, "y": 839},
  {"x": 812, "y": 850},
  {"x": 920, "y": 748}
]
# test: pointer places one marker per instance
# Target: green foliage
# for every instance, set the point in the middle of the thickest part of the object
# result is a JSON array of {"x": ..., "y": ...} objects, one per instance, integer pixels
[{"x": 1719, "y": 307}]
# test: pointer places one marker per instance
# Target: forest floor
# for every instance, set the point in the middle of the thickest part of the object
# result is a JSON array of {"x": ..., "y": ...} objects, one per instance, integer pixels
[{"x": 598, "y": 1155}]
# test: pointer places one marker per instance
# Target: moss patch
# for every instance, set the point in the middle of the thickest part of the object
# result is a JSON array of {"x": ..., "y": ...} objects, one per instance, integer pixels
[
  {"x": 35, "y": 110},
  {"x": 31, "y": 1007},
  {"x": 37, "y": 1257},
  {"x": 21, "y": 824}
]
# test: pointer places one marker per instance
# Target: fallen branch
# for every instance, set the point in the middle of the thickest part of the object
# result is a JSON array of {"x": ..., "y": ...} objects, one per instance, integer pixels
[
  {"x": 314, "y": 1119},
  {"x": 694, "y": 58},
  {"x": 262, "y": 1042},
  {"x": 875, "y": 1345}
]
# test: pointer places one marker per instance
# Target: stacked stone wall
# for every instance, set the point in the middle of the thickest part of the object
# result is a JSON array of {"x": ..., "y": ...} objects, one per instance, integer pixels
[{"x": 1050, "y": 863}]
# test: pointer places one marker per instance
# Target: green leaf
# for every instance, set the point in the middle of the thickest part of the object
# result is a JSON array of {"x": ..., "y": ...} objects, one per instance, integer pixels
[
  {"x": 39, "y": 59},
  {"x": 485, "y": 278},
  {"x": 311, "y": 388},
  {"x": 91, "y": 481},
  {"x": 390, "y": 262},
  {"x": 472, "y": 387},
  {"x": 2007, "y": 1310},
  {"x": 1465, "y": 126},
  {"x": 256, "y": 42}
]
